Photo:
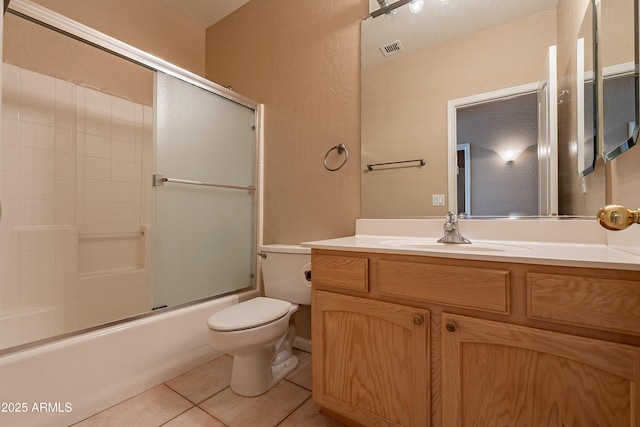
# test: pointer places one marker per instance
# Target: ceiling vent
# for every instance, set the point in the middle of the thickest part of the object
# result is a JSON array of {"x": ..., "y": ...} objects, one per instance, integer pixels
[{"x": 392, "y": 48}]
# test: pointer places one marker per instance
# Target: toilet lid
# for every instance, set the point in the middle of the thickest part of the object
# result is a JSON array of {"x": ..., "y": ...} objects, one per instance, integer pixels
[{"x": 249, "y": 314}]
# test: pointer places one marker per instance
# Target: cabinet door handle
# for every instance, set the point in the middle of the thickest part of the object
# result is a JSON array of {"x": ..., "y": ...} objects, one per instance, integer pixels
[
  {"x": 418, "y": 320},
  {"x": 451, "y": 327}
]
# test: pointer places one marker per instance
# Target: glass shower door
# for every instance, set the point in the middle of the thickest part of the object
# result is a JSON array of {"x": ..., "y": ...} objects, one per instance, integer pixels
[{"x": 204, "y": 235}]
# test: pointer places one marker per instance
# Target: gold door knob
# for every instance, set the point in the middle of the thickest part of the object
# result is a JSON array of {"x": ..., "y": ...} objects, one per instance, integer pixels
[{"x": 616, "y": 217}]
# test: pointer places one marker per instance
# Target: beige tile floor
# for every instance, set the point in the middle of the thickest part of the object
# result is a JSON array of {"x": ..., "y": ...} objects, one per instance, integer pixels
[{"x": 202, "y": 397}]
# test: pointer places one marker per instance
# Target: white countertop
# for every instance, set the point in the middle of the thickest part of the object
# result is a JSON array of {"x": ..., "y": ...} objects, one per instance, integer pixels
[{"x": 541, "y": 243}]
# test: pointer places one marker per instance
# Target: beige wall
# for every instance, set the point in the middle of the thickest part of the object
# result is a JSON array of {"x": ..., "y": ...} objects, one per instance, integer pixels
[
  {"x": 61, "y": 57},
  {"x": 616, "y": 25},
  {"x": 404, "y": 114},
  {"x": 146, "y": 24},
  {"x": 301, "y": 59},
  {"x": 625, "y": 176}
]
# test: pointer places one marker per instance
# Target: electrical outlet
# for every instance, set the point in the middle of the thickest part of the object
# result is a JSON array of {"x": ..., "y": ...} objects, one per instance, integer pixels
[{"x": 438, "y": 199}]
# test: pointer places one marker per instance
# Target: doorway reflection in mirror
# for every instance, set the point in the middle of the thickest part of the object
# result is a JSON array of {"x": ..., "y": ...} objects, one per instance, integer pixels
[{"x": 499, "y": 132}]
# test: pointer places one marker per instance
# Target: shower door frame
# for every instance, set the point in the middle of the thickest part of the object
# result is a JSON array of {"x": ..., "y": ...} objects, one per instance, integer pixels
[
  {"x": 56, "y": 22},
  {"x": 80, "y": 32}
]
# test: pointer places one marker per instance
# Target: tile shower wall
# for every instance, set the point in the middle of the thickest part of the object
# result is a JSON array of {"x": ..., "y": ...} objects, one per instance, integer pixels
[{"x": 76, "y": 211}]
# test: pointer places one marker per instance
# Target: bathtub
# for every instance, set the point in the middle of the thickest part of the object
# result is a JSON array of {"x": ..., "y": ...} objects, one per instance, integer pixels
[{"x": 66, "y": 381}]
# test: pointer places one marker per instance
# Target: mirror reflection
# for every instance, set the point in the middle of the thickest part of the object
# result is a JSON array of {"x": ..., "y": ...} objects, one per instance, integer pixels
[
  {"x": 497, "y": 151},
  {"x": 619, "y": 76},
  {"x": 473, "y": 53},
  {"x": 586, "y": 95}
]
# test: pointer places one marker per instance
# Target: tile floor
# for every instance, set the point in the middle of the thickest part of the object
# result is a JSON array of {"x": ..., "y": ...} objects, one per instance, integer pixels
[{"x": 202, "y": 397}]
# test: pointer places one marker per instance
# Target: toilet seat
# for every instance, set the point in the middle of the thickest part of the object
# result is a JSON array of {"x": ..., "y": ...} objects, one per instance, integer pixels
[{"x": 249, "y": 314}]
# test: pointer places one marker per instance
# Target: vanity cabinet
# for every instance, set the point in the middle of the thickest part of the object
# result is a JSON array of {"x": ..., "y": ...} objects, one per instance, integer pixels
[
  {"x": 370, "y": 358},
  {"x": 410, "y": 340},
  {"x": 495, "y": 373}
]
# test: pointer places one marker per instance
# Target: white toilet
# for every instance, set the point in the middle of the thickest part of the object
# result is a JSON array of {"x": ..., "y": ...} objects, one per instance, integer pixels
[{"x": 259, "y": 333}]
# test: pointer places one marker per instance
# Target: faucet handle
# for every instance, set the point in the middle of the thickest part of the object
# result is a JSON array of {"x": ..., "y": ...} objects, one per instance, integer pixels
[{"x": 452, "y": 217}]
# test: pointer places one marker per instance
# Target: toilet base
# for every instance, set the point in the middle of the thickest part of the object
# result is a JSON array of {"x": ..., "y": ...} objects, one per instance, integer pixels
[{"x": 252, "y": 374}]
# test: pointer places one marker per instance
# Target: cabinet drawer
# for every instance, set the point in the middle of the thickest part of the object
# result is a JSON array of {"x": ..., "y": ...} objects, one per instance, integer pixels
[
  {"x": 607, "y": 304},
  {"x": 343, "y": 272},
  {"x": 477, "y": 288}
]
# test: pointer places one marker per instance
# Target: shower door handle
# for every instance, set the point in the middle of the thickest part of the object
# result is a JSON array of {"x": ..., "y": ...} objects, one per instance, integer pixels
[{"x": 159, "y": 180}]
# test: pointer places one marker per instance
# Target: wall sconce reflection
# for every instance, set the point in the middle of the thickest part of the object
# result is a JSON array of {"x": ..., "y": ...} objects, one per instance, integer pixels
[{"x": 510, "y": 155}]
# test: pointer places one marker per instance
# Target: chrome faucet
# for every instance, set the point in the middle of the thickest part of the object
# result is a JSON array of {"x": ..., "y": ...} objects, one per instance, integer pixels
[{"x": 451, "y": 231}]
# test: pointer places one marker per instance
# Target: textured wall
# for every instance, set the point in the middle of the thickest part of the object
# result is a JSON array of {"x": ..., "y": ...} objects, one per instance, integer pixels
[
  {"x": 59, "y": 56},
  {"x": 146, "y": 24},
  {"x": 625, "y": 176},
  {"x": 301, "y": 59}
]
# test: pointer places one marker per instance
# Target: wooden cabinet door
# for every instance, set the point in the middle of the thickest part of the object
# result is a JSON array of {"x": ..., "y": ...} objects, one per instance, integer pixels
[
  {"x": 370, "y": 360},
  {"x": 496, "y": 374}
]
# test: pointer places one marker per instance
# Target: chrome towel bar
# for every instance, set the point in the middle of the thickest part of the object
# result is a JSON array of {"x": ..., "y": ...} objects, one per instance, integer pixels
[
  {"x": 421, "y": 162},
  {"x": 159, "y": 180}
]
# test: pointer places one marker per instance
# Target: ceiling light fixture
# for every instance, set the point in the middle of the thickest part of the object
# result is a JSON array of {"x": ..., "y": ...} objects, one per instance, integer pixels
[
  {"x": 386, "y": 8},
  {"x": 416, "y": 6}
]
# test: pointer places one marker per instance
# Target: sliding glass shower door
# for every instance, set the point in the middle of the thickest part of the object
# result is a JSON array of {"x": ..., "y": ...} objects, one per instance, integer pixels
[
  {"x": 204, "y": 194},
  {"x": 86, "y": 238}
]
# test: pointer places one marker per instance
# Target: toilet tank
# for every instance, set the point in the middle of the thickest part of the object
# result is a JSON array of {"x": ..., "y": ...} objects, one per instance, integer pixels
[{"x": 284, "y": 272}]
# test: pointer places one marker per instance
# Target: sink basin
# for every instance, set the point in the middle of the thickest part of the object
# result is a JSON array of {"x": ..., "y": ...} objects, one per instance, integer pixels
[{"x": 432, "y": 244}]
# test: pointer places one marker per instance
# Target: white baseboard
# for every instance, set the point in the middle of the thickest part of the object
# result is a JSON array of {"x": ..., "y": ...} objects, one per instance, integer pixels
[{"x": 303, "y": 344}]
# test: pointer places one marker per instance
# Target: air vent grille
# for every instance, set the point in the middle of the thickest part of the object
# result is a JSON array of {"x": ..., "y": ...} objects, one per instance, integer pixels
[{"x": 392, "y": 48}]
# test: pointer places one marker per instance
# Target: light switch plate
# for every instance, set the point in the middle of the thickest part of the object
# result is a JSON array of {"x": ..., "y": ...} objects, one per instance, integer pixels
[{"x": 438, "y": 199}]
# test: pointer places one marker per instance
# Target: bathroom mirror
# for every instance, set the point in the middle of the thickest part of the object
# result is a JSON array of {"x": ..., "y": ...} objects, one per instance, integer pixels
[
  {"x": 414, "y": 64},
  {"x": 586, "y": 94},
  {"x": 619, "y": 70}
]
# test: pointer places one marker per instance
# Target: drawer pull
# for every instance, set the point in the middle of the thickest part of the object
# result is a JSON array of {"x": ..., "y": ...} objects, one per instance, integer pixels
[
  {"x": 451, "y": 327},
  {"x": 418, "y": 320}
]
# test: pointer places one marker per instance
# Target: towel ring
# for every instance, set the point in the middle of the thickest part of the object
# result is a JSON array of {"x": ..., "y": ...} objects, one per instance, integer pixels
[{"x": 341, "y": 149}]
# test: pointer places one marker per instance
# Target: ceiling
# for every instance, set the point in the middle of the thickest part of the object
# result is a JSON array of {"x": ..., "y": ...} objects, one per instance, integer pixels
[
  {"x": 440, "y": 21},
  {"x": 204, "y": 12}
]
